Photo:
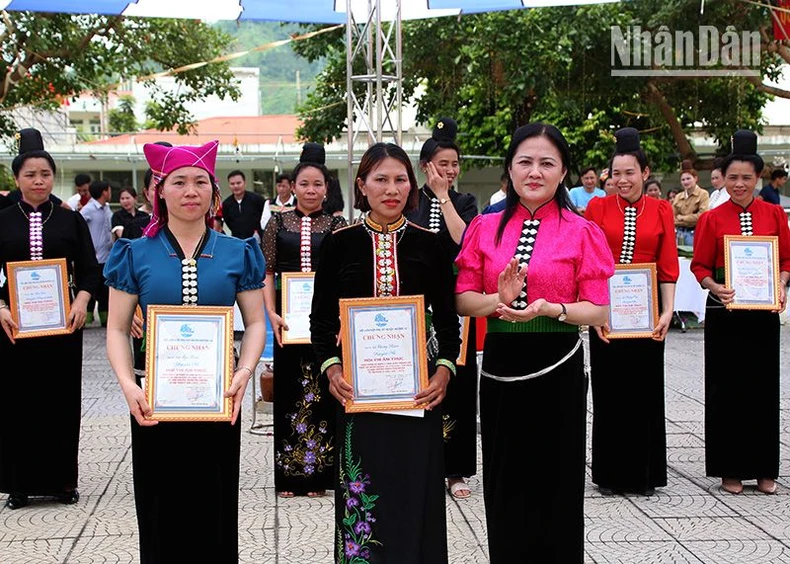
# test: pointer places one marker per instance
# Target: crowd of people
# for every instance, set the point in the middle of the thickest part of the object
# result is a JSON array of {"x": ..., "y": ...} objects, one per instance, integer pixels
[{"x": 536, "y": 263}]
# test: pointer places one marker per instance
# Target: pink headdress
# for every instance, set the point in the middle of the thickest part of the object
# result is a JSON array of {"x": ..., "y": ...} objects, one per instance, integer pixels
[{"x": 164, "y": 160}]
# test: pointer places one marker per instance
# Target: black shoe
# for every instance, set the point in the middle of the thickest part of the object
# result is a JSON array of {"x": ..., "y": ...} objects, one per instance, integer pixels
[
  {"x": 16, "y": 501},
  {"x": 606, "y": 491},
  {"x": 69, "y": 498},
  {"x": 649, "y": 491}
]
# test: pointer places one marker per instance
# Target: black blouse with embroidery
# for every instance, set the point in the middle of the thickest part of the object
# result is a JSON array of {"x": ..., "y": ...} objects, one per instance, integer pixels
[{"x": 282, "y": 240}]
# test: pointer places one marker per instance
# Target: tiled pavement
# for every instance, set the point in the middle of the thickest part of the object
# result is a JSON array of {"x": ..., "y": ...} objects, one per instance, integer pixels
[{"x": 689, "y": 521}]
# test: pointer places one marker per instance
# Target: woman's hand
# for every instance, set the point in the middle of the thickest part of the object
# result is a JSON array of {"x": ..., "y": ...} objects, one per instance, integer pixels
[
  {"x": 438, "y": 183},
  {"x": 79, "y": 311},
  {"x": 433, "y": 395},
  {"x": 8, "y": 323},
  {"x": 137, "y": 327},
  {"x": 601, "y": 331},
  {"x": 278, "y": 325},
  {"x": 533, "y": 310},
  {"x": 338, "y": 387},
  {"x": 138, "y": 407},
  {"x": 511, "y": 281},
  {"x": 662, "y": 328},
  {"x": 238, "y": 385},
  {"x": 723, "y": 294}
]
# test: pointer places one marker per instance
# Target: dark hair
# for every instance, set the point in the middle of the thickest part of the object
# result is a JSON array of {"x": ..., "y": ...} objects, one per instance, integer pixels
[
  {"x": 334, "y": 197},
  {"x": 371, "y": 159},
  {"x": 650, "y": 181},
  {"x": 756, "y": 161},
  {"x": 586, "y": 170},
  {"x": 537, "y": 129},
  {"x": 97, "y": 187},
  {"x": 237, "y": 173},
  {"x": 282, "y": 176},
  {"x": 19, "y": 160},
  {"x": 672, "y": 192},
  {"x": 128, "y": 189},
  {"x": 504, "y": 177},
  {"x": 81, "y": 179},
  {"x": 443, "y": 137},
  {"x": 639, "y": 155},
  {"x": 778, "y": 173},
  {"x": 301, "y": 166}
]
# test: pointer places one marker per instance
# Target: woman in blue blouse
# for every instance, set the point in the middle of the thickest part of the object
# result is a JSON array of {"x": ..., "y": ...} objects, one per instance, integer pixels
[{"x": 186, "y": 474}]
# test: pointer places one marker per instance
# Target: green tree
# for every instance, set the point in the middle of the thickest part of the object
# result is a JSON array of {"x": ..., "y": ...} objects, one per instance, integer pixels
[
  {"x": 496, "y": 71},
  {"x": 49, "y": 57},
  {"x": 121, "y": 118}
]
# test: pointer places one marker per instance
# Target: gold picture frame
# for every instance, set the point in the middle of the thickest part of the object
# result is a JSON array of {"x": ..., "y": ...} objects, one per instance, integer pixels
[
  {"x": 633, "y": 301},
  {"x": 751, "y": 268},
  {"x": 384, "y": 354},
  {"x": 189, "y": 362},
  {"x": 38, "y": 297},
  {"x": 463, "y": 322},
  {"x": 297, "y": 289}
]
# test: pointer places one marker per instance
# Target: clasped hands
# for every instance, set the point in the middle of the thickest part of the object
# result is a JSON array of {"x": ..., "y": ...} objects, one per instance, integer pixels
[{"x": 427, "y": 399}]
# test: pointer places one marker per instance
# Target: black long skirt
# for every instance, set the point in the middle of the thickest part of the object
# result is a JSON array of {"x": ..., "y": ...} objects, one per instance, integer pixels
[
  {"x": 304, "y": 412},
  {"x": 741, "y": 397},
  {"x": 534, "y": 510},
  {"x": 459, "y": 419},
  {"x": 39, "y": 439},
  {"x": 186, "y": 491},
  {"x": 629, "y": 439},
  {"x": 389, "y": 501}
]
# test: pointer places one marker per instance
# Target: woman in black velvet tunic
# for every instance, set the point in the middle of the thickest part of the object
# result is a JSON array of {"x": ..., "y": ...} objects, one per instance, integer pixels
[
  {"x": 303, "y": 413},
  {"x": 389, "y": 495},
  {"x": 37, "y": 457}
]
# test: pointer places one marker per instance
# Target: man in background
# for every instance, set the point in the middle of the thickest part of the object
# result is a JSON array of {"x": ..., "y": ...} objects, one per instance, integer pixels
[
  {"x": 242, "y": 210},
  {"x": 98, "y": 215},
  {"x": 771, "y": 191},
  {"x": 82, "y": 195},
  {"x": 284, "y": 200},
  {"x": 581, "y": 195}
]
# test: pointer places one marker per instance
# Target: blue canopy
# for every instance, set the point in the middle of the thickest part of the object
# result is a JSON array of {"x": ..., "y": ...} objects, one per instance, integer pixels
[{"x": 303, "y": 11}]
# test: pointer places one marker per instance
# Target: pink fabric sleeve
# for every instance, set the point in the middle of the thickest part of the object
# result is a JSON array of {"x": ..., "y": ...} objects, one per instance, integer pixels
[
  {"x": 470, "y": 260},
  {"x": 596, "y": 266}
]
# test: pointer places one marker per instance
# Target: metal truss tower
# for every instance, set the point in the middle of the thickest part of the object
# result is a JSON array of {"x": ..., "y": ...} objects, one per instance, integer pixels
[{"x": 373, "y": 43}]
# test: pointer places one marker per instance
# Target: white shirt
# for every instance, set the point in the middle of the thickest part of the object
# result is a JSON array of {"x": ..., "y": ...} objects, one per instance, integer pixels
[
  {"x": 718, "y": 197},
  {"x": 267, "y": 209},
  {"x": 497, "y": 196}
]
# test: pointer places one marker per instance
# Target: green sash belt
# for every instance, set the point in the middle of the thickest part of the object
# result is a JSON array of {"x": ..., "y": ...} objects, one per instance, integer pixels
[{"x": 540, "y": 324}]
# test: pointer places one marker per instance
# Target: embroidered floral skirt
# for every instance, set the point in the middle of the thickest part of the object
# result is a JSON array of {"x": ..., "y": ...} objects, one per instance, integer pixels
[
  {"x": 304, "y": 411},
  {"x": 390, "y": 500}
]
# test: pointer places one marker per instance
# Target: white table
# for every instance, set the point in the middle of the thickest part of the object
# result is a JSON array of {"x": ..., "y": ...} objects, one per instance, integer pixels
[{"x": 689, "y": 295}]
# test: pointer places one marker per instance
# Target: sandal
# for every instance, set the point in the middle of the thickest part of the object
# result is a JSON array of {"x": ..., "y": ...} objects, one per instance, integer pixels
[
  {"x": 285, "y": 495},
  {"x": 458, "y": 488},
  {"x": 321, "y": 493}
]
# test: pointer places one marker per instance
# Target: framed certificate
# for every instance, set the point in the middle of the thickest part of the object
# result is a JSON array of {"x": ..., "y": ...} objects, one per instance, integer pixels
[
  {"x": 38, "y": 297},
  {"x": 189, "y": 362},
  {"x": 463, "y": 323},
  {"x": 384, "y": 356},
  {"x": 633, "y": 301},
  {"x": 297, "y": 301},
  {"x": 751, "y": 268}
]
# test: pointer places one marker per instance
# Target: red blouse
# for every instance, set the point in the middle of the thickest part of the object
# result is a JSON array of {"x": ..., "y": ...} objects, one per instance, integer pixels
[
  {"x": 655, "y": 231},
  {"x": 767, "y": 220}
]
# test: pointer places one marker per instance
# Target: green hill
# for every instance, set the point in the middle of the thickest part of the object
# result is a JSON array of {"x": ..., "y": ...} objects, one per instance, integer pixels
[{"x": 286, "y": 78}]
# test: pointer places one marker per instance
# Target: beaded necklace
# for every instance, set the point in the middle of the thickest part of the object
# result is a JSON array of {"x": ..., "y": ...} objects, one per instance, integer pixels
[
  {"x": 189, "y": 291},
  {"x": 36, "y": 231}
]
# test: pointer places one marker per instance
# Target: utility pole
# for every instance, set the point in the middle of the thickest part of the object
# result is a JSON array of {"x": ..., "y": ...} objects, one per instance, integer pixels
[{"x": 298, "y": 89}]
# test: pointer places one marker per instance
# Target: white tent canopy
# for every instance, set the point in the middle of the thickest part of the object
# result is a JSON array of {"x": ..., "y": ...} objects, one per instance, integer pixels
[{"x": 305, "y": 11}]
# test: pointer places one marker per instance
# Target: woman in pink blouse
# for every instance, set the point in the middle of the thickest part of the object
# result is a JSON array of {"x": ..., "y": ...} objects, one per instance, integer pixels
[{"x": 537, "y": 270}]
